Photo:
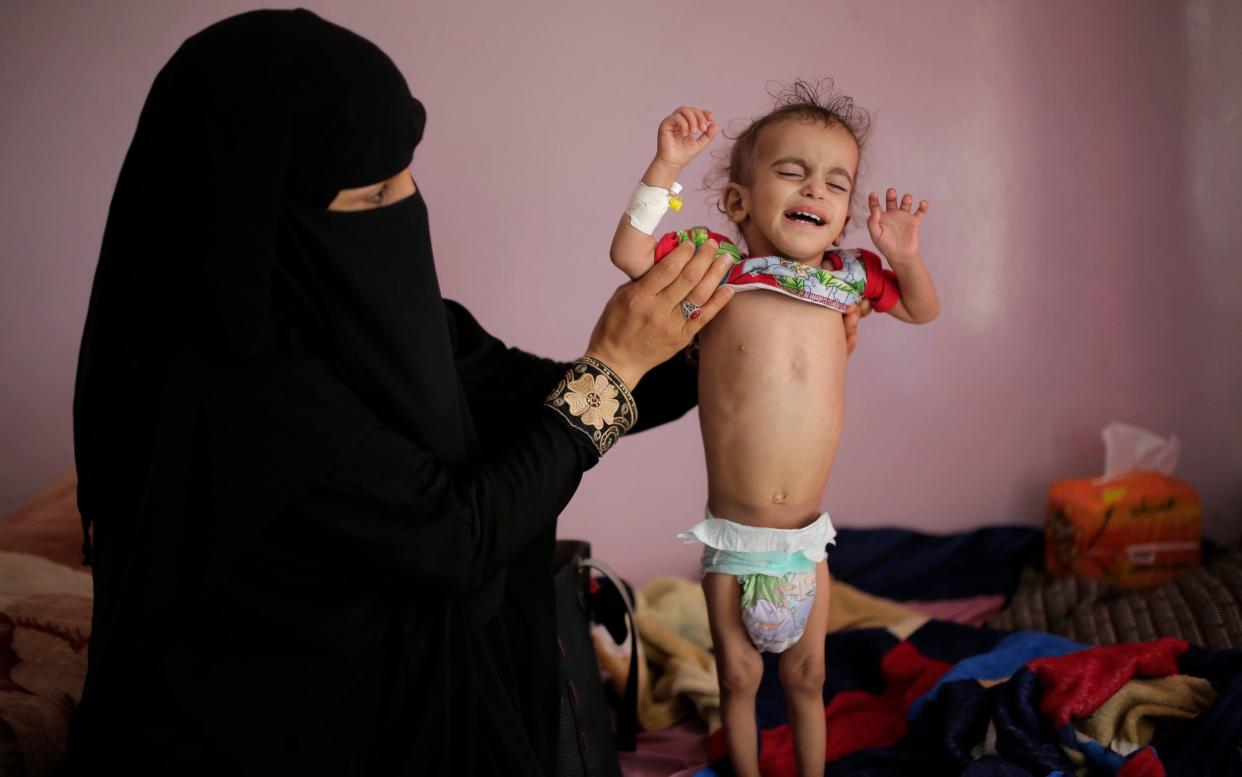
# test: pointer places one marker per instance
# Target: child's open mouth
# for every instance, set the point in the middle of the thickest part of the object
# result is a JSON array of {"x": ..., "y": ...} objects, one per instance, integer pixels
[{"x": 806, "y": 216}]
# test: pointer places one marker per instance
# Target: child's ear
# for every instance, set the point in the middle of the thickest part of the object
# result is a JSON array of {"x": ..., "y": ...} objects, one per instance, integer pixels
[
  {"x": 736, "y": 202},
  {"x": 841, "y": 234}
]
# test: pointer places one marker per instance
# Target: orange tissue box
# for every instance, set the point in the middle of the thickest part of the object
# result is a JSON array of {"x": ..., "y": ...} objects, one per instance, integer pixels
[{"x": 1135, "y": 531}]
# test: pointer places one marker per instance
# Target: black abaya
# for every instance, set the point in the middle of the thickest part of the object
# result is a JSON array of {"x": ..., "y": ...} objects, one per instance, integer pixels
[{"x": 323, "y": 500}]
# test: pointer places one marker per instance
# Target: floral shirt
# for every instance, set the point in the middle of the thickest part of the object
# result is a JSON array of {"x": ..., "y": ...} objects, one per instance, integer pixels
[{"x": 848, "y": 275}]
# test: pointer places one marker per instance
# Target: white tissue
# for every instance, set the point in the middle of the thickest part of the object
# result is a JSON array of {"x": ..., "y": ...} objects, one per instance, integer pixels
[{"x": 1129, "y": 449}]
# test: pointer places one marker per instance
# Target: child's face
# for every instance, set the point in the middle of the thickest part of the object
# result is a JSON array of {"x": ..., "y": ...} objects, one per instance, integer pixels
[{"x": 798, "y": 200}]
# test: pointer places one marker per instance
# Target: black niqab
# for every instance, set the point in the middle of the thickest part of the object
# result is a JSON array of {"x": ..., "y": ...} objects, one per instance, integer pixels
[
  {"x": 240, "y": 338},
  {"x": 224, "y": 284}
]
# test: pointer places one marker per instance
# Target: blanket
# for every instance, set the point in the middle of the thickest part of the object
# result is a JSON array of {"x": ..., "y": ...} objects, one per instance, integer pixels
[
  {"x": 1203, "y": 606},
  {"x": 677, "y": 673},
  {"x": 954, "y": 699}
]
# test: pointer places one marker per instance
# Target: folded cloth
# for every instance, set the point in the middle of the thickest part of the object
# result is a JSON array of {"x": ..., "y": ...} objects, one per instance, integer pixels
[{"x": 1128, "y": 720}]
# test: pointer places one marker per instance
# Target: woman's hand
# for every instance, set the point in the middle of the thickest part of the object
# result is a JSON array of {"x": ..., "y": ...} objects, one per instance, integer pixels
[
  {"x": 851, "y": 318},
  {"x": 643, "y": 324}
]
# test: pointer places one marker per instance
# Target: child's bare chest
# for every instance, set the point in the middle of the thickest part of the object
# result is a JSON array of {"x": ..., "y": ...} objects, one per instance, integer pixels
[{"x": 767, "y": 342}]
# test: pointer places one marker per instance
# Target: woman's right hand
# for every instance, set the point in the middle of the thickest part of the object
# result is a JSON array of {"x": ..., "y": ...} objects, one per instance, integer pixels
[{"x": 643, "y": 325}]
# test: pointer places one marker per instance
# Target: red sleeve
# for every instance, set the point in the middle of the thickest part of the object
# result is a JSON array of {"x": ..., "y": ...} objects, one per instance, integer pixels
[
  {"x": 666, "y": 244},
  {"x": 882, "y": 287},
  {"x": 673, "y": 239}
]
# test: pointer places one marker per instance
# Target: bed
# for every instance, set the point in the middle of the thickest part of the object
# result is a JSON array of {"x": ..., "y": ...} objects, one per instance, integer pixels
[
  {"x": 955, "y": 655},
  {"x": 946, "y": 655}
]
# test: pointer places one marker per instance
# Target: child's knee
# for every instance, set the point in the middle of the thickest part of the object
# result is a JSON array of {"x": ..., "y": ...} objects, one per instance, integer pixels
[
  {"x": 741, "y": 672},
  {"x": 803, "y": 676}
]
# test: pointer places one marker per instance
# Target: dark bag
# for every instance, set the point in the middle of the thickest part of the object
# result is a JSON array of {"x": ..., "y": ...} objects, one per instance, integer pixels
[{"x": 586, "y": 746}]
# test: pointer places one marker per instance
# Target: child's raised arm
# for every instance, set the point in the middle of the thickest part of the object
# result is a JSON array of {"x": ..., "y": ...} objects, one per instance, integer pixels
[
  {"x": 895, "y": 232},
  {"x": 682, "y": 136}
]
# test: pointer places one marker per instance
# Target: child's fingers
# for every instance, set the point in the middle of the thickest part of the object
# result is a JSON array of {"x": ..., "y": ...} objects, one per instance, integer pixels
[
  {"x": 704, "y": 121},
  {"x": 907, "y": 202},
  {"x": 682, "y": 126},
  {"x": 696, "y": 120},
  {"x": 709, "y": 133},
  {"x": 890, "y": 199},
  {"x": 922, "y": 211},
  {"x": 687, "y": 115},
  {"x": 873, "y": 203}
]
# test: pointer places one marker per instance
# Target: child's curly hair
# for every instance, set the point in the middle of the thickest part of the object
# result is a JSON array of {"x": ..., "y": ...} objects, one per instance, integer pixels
[{"x": 805, "y": 100}]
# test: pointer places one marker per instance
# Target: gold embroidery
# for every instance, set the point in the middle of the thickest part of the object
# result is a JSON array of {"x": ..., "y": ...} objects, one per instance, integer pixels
[
  {"x": 595, "y": 402},
  {"x": 592, "y": 400}
]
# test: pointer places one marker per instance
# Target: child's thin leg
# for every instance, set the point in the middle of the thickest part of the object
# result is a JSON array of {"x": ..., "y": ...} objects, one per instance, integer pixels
[
  {"x": 802, "y": 677},
  {"x": 739, "y": 668}
]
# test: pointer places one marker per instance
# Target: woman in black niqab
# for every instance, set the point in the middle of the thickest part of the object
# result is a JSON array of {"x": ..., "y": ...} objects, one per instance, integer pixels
[{"x": 322, "y": 499}]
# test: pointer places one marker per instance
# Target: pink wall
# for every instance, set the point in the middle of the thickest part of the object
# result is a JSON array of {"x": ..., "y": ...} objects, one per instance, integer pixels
[{"x": 1081, "y": 159}]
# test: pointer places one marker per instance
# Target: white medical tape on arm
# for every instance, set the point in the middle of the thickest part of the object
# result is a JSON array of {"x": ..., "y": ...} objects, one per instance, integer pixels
[{"x": 648, "y": 204}]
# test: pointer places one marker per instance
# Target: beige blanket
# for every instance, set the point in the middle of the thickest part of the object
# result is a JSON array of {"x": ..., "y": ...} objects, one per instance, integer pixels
[{"x": 677, "y": 672}]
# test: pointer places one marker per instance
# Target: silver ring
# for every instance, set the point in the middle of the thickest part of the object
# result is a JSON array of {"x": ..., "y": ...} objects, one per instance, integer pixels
[{"x": 689, "y": 310}]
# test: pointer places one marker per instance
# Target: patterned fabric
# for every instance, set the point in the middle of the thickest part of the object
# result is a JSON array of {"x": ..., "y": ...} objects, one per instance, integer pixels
[
  {"x": 951, "y": 699},
  {"x": 595, "y": 402},
  {"x": 1203, "y": 607},
  {"x": 775, "y": 609},
  {"x": 846, "y": 277},
  {"x": 45, "y": 623}
]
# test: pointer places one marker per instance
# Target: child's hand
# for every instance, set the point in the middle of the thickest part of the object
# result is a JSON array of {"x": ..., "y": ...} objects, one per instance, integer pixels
[
  {"x": 894, "y": 230},
  {"x": 676, "y": 141}
]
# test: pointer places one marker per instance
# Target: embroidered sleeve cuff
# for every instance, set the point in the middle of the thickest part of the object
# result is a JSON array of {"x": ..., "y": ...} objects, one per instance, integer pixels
[{"x": 595, "y": 402}]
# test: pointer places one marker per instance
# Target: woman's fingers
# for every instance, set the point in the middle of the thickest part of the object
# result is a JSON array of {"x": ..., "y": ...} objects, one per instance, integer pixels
[
  {"x": 644, "y": 324},
  {"x": 665, "y": 271},
  {"x": 850, "y": 319},
  {"x": 703, "y": 290},
  {"x": 719, "y": 298},
  {"x": 853, "y": 314},
  {"x": 691, "y": 275}
]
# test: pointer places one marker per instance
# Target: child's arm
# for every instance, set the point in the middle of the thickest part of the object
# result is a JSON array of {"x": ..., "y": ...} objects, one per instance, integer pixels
[
  {"x": 895, "y": 232},
  {"x": 676, "y": 146}
]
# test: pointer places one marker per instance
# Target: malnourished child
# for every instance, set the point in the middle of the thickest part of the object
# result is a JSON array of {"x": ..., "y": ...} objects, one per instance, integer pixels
[{"x": 772, "y": 380}]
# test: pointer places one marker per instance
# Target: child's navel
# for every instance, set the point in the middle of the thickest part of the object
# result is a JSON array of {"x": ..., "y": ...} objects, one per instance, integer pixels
[{"x": 778, "y": 497}]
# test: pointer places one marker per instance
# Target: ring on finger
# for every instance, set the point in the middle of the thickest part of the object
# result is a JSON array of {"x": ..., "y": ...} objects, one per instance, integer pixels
[{"x": 689, "y": 310}]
